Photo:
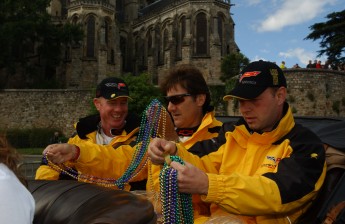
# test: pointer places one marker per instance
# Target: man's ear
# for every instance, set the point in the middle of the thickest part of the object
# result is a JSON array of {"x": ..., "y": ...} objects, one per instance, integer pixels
[
  {"x": 281, "y": 95},
  {"x": 97, "y": 103},
  {"x": 200, "y": 99}
]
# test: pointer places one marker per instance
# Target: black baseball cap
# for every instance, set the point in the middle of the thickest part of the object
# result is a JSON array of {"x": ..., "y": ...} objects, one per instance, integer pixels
[
  {"x": 112, "y": 88},
  {"x": 255, "y": 78}
]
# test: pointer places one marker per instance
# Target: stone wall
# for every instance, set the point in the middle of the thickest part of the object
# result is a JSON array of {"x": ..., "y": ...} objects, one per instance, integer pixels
[
  {"x": 316, "y": 92},
  {"x": 311, "y": 92},
  {"x": 44, "y": 108}
]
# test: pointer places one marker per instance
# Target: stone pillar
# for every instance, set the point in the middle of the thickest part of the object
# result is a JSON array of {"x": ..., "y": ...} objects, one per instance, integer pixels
[
  {"x": 187, "y": 46},
  {"x": 74, "y": 68}
]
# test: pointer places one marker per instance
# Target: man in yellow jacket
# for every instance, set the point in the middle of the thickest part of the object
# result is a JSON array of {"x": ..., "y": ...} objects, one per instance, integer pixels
[
  {"x": 114, "y": 126},
  {"x": 269, "y": 169}
]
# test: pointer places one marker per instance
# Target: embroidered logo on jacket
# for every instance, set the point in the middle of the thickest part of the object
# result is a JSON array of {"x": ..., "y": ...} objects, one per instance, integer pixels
[{"x": 271, "y": 165}]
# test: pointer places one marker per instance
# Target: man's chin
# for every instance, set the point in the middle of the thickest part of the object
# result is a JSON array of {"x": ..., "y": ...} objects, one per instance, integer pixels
[
  {"x": 177, "y": 124},
  {"x": 118, "y": 124},
  {"x": 253, "y": 127}
]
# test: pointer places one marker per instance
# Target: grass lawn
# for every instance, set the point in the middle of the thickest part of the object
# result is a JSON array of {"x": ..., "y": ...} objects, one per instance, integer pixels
[{"x": 30, "y": 151}]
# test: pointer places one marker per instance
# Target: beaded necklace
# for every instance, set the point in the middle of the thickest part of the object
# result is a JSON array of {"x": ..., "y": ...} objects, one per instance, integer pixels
[
  {"x": 148, "y": 129},
  {"x": 176, "y": 207}
]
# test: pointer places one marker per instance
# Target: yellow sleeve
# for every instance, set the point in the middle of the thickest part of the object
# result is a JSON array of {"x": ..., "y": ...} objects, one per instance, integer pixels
[
  {"x": 45, "y": 172},
  {"x": 103, "y": 161}
]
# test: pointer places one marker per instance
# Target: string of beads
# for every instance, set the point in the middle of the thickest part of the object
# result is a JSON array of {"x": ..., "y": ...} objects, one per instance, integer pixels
[{"x": 176, "y": 207}]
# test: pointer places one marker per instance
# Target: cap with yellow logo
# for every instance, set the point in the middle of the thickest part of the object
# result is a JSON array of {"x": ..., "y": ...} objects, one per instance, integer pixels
[{"x": 255, "y": 78}]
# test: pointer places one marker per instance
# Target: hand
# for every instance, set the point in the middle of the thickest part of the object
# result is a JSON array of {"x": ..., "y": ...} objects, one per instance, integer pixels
[
  {"x": 159, "y": 148},
  {"x": 60, "y": 153},
  {"x": 190, "y": 179}
]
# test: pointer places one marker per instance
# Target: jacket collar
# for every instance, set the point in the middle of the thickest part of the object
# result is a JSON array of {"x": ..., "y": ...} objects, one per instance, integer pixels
[{"x": 283, "y": 126}]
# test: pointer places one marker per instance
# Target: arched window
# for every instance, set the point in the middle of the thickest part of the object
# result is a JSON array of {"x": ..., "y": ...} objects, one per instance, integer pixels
[
  {"x": 201, "y": 34},
  {"x": 90, "y": 37},
  {"x": 166, "y": 39},
  {"x": 158, "y": 45},
  {"x": 139, "y": 54},
  {"x": 75, "y": 20},
  {"x": 183, "y": 27}
]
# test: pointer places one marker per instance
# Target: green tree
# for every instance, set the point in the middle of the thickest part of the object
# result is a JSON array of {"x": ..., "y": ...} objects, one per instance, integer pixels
[
  {"x": 332, "y": 35},
  {"x": 217, "y": 94},
  {"x": 141, "y": 91},
  {"x": 232, "y": 64},
  {"x": 30, "y": 42},
  {"x": 231, "y": 67}
]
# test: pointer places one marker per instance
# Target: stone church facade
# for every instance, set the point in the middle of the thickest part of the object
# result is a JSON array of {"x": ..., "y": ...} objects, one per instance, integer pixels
[{"x": 136, "y": 36}]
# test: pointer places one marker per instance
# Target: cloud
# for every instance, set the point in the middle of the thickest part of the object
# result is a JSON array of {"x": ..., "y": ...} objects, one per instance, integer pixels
[
  {"x": 257, "y": 58},
  {"x": 292, "y": 12},
  {"x": 301, "y": 54},
  {"x": 253, "y": 2}
]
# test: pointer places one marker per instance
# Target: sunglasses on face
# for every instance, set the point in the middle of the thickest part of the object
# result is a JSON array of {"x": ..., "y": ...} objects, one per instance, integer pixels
[{"x": 176, "y": 99}]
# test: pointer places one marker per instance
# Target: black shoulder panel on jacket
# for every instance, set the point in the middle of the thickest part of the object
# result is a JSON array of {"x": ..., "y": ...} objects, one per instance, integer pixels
[
  {"x": 132, "y": 122},
  {"x": 297, "y": 174},
  {"x": 205, "y": 147},
  {"x": 215, "y": 129},
  {"x": 87, "y": 125}
]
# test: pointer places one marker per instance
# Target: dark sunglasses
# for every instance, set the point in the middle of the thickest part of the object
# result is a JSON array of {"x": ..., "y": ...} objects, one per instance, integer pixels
[{"x": 176, "y": 99}]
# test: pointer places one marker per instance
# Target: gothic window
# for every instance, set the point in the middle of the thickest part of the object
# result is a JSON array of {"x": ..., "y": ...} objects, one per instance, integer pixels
[
  {"x": 158, "y": 45},
  {"x": 119, "y": 5},
  {"x": 136, "y": 52},
  {"x": 183, "y": 27},
  {"x": 201, "y": 34},
  {"x": 166, "y": 39},
  {"x": 75, "y": 20},
  {"x": 90, "y": 37}
]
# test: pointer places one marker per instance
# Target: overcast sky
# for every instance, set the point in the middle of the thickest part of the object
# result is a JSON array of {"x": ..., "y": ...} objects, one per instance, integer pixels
[{"x": 274, "y": 30}]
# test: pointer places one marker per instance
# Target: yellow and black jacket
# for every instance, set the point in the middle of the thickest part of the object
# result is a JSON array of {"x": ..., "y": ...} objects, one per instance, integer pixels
[{"x": 264, "y": 178}]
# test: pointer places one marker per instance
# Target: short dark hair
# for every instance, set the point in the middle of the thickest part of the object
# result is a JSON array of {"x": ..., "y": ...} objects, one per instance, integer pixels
[{"x": 191, "y": 79}]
